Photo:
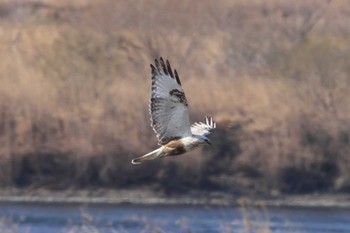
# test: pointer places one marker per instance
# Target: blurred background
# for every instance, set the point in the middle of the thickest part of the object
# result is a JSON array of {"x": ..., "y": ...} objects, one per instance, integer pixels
[
  {"x": 74, "y": 92},
  {"x": 75, "y": 86}
]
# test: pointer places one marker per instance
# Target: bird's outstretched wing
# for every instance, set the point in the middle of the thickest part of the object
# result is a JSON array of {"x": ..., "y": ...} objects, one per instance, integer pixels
[
  {"x": 203, "y": 129},
  {"x": 168, "y": 104}
]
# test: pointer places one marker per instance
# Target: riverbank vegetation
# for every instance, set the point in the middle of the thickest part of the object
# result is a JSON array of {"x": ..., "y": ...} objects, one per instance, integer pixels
[{"x": 75, "y": 83}]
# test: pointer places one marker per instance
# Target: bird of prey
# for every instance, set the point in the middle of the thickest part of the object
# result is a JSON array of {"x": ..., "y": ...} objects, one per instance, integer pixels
[{"x": 170, "y": 118}]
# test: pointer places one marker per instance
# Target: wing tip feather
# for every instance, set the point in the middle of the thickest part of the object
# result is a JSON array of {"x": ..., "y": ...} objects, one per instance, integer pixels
[
  {"x": 153, "y": 69},
  {"x": 165, "y": 67},
  {"x": 177, "y": 77},
  {"x": 169, "y": 68}
]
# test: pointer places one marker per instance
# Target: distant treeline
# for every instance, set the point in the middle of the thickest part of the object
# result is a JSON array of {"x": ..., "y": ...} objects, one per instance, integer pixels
[{"x": 75, "y": 83}]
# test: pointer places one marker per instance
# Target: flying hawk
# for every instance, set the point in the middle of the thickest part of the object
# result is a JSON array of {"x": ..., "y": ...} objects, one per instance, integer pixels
[{"x": 170, "y": 118}]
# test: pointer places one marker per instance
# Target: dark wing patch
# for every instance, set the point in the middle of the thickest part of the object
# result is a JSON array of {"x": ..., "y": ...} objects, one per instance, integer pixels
[{"x": 179, "y": 95}]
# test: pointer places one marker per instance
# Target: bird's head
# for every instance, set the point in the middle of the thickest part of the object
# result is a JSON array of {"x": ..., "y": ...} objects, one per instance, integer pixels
[
  {"x": 206, "y": 140},
  {"x": 200, "y": 139}
]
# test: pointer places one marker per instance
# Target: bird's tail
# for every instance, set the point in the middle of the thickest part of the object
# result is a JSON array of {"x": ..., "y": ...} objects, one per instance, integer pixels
[{"x": 152, "y": 155}]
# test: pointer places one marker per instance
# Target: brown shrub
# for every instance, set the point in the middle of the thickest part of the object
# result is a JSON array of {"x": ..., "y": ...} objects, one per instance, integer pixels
[{"x": 75, "y": 85}]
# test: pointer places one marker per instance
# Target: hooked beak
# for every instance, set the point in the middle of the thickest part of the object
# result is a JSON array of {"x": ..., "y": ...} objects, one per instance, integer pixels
[{"x": 208, "y": 142}]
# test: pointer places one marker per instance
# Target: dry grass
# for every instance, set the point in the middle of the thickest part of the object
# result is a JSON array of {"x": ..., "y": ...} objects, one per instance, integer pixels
[{"x": 75, "y": 86}]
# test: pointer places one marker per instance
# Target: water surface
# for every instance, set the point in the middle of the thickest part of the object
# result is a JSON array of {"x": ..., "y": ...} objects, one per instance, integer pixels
[{"x": 61, "y": 218}]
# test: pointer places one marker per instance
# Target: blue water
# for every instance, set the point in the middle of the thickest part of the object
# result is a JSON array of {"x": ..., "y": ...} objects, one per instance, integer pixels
[{"x": 55, "y": 218}]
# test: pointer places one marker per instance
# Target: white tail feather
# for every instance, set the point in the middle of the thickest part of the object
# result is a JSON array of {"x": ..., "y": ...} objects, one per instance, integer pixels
[{"x": 152, "y": 155}]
